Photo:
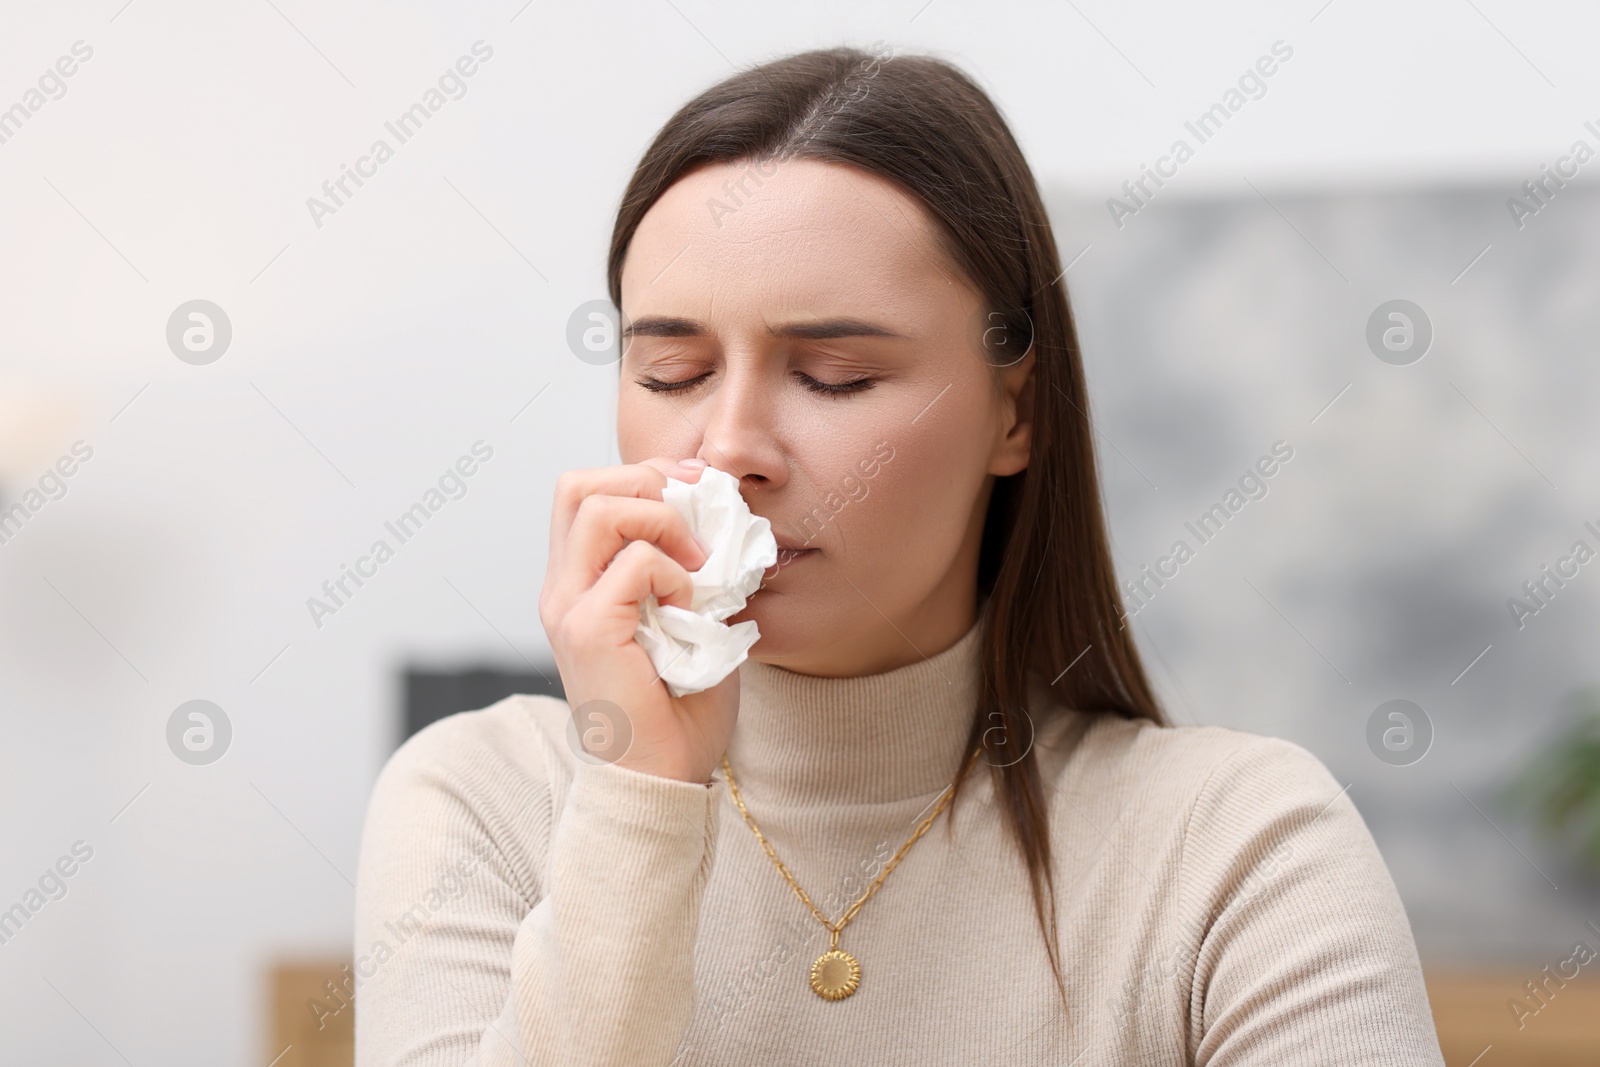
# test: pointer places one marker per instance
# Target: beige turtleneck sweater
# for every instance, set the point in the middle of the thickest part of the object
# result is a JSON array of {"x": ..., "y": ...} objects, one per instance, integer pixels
[{"x": 1220, "y": 899}]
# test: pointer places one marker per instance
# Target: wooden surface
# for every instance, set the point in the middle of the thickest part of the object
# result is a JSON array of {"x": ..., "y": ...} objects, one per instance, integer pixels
[
  {"x": 1472, "y": 1012},
  {"x": 304, "y": 1036}
]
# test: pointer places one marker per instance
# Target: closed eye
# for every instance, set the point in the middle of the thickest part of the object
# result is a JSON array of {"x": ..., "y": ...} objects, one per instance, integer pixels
[
  {"x": 834, "y": 389},
  {"x": 655, "y": 385}
]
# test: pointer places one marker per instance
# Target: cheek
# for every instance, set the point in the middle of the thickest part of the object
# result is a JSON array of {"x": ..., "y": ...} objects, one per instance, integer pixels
[
  {"x": 646, "y": 429},
  {"x": 914, "y": 508}
]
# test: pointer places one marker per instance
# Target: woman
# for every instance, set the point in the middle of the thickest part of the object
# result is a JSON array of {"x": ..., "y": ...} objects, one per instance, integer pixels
[{"x": 841, "y": 287}]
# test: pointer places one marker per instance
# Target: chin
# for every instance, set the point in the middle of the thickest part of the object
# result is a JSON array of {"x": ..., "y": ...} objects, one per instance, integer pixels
[{"x": 787, "y": 626}]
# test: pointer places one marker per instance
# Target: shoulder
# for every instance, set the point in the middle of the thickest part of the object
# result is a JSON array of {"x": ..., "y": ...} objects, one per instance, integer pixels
[
  {"x": 1207, "y": 797},
  {"x": 496, "y": 774},
  {"x": 1215, "y": 806},
  {"x": 1281, "y": 923},
  {"x": 483, "y": 752},
  {"x": 1176, "y": 769}
]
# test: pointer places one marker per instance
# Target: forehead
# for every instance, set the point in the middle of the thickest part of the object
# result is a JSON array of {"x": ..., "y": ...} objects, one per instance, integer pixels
[{"x": 801, "y": 235}]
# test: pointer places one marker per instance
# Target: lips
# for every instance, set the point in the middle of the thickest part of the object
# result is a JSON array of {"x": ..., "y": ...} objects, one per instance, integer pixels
[{"x": 787, "y": 557}]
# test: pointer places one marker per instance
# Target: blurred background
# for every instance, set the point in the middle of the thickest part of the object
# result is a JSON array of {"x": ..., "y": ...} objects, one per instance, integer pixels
[{"x": 214, "y": 395}]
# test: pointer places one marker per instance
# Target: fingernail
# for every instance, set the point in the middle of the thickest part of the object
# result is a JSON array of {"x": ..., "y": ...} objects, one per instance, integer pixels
[{"x": 695, "y": 464}]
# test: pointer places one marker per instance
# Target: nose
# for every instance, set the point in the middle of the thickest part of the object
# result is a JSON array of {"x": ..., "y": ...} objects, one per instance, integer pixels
[{"x": 739, "y": 432}]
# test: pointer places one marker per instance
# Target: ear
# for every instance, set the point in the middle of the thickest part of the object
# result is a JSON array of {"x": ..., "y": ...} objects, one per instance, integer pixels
[{"x": 1014, "y": 446}]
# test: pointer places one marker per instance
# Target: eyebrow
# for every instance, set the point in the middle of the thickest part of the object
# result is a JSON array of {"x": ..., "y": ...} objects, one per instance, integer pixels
[{"x": 822, "y": 330}]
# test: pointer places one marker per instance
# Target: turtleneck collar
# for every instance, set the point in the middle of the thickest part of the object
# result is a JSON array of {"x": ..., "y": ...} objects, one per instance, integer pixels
[{"x": 874, "y": 738}]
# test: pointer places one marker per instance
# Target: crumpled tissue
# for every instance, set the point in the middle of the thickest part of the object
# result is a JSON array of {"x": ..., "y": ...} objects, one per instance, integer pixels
[{"x": 693, "y": 649}]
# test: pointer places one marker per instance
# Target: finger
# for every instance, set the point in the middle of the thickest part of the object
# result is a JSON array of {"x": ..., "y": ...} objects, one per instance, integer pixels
[
  {"x": 607, "y": 615},
  {"x": 639, "y": 570},
  {"x": 640, "y": 480},
  {"x": 606, "y": 524},
  {"x": 674, "y": 468}
]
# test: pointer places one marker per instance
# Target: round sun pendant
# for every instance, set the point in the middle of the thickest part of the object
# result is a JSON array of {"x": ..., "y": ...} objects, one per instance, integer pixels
[{"x": 835, "y": 975}]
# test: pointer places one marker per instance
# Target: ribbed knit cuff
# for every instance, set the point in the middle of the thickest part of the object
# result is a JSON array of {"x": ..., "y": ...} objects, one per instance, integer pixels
[{"x": 643, "y": 801}]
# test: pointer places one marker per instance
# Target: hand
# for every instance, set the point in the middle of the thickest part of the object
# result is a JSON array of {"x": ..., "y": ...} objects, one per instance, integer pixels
[{"x": 613, "y": 541}]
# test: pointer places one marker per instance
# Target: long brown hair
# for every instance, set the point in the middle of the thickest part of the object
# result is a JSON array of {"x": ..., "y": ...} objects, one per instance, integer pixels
[{"x": 1045, "y": 574}]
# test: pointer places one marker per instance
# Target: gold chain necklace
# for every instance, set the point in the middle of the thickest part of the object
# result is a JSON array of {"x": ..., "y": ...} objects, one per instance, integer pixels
[{"x": 835, "y": 974}]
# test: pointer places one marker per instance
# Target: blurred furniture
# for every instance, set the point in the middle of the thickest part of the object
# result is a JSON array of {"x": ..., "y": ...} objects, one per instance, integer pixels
[
  {"x": 1472, "y": 1013},
  {"x": 430, "y": 695},
  {"x": 310, "y": 1027}
]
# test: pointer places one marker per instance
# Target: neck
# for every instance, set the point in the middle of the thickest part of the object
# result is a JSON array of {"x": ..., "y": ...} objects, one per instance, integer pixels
[{"x": 873, "y": 738}]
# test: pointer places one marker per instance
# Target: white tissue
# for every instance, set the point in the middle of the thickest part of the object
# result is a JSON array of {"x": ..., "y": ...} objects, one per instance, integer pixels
[{"x": 693, "y": 649}]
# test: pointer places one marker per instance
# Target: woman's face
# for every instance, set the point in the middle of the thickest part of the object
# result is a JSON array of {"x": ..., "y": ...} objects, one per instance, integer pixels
[{"x": 824, "y": 350}]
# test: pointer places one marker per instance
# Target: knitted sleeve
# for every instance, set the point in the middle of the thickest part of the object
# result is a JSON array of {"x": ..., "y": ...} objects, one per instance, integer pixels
[
  {"x": 1300, "y": 946},
  {"x": 569, "y": 941}
]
